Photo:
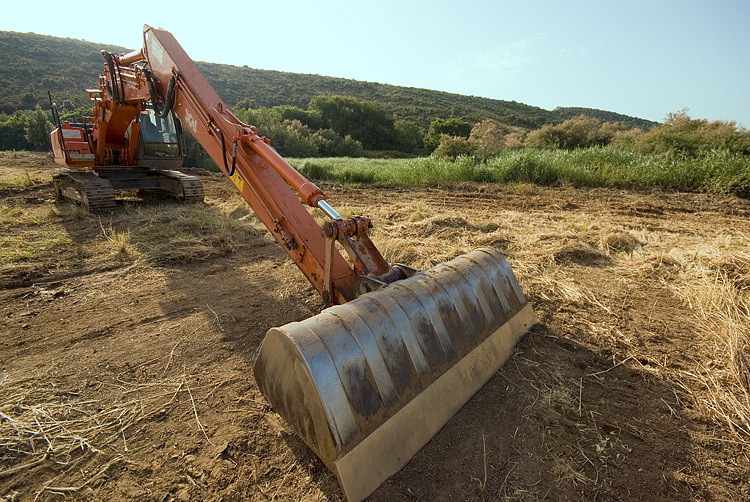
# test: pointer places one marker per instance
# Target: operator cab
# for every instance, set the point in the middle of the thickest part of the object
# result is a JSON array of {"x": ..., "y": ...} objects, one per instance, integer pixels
[{"x": 160, "y": 146}]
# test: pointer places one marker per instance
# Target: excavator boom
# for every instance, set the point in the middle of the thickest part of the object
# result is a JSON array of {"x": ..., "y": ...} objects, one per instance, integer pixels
[
  {"x": 373, "y": 378},
  {"x": 258, "y": 172}
]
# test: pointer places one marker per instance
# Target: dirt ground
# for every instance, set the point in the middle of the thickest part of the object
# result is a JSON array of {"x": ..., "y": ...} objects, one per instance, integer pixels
[{"x": 127, "y": 341}]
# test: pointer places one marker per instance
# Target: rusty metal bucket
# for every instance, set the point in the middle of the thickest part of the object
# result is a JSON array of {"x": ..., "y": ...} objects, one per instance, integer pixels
[{"x": 367, "y": 384}]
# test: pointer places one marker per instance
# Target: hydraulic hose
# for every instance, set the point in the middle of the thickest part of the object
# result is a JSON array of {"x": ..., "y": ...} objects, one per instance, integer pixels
[
  {"x": 112, "y": 89},
  {"x": 224, "y": 155},
  {"x": 168, "y": 99},
  {"x": 153, "y": 88},
  {"x": 121, "y": 91}
]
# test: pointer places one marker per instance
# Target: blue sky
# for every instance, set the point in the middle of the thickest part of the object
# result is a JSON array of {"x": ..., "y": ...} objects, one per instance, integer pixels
[{"x": 640, "y": 58}]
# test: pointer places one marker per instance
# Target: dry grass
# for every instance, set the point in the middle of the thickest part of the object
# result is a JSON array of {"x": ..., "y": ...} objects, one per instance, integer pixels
[
  {"x": 184, "y": 233},
  {"x": 32, "y": 239},
  {"x": 41, "y": 420},
  {"x": 547, "y": 253},
  {"x": 117, "y": 244},
  {"x": 712, "y": 278},
  {"x": 550, "y": 252},
  {"x": 24, "y": 159},
  {"x": 17, "y": 183},
  {"x": 423, "y": 236},
  {"x": 714, "y": 286}
]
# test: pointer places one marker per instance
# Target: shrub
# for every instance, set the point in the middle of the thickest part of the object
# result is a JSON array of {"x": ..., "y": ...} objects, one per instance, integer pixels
[
  {"x": 331, "y": 144},
  {"x": 38, "y": 128},
  {"x": 13, "y": 132},
  {"x": 490, "y": 137},
  {"x": 515, "y": 141},
  {"x": 451, "y": 147},
  {"x": 578, "y": 132},
  {"x": 681, "y": 135},
  {"x": 451, "y": 127}
]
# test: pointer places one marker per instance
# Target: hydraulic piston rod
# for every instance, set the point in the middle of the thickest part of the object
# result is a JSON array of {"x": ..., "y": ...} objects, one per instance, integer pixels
[{"x": 328, "y": 210}]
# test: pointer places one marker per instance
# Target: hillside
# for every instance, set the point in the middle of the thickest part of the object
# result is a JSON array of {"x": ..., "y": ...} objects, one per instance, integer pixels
[
  {"x": 32, "y": 64},
  {"x": 603, "y": 115}
]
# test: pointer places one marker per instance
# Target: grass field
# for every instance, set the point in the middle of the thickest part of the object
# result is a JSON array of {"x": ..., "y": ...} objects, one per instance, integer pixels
[{"x": 716, "y": 172}]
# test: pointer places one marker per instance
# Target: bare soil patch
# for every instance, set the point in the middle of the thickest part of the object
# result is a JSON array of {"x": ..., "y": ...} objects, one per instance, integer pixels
[{"x": 127, "y": 341}]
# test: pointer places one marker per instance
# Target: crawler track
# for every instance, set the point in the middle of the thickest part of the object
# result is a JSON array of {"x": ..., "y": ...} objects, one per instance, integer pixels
[
  {"x": 98, "y": 192},
  {"x": 192, "y": 188},
  {"x": 85, "y": 188}
]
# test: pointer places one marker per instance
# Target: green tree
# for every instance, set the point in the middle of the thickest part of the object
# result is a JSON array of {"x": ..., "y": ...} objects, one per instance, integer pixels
[
  {"x": 365, "y": 121},
  {"x": 294, "y": 139},
  {"x": 332, "y": 144},
  {"x": 488, "y": 138},
  {"x": 409, "y": 136},
  {"x": 310, "y": 118},
  {"x": 451, "y": 127},
  {"x": 246, "y": 104},
  {"x": 75, "y": 115},
  {"x": 679, "y": 134},
  {"x": 450, "y": 147},
  {"x": 13, "y": 132},
  {"x": 578, "y": 132},
  {"x": 28, "y": 100},
  {"x": 38, "y": 128}
]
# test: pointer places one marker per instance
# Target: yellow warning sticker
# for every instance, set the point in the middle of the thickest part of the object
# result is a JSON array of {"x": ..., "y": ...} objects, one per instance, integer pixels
[{"x": 238, "y": 182}]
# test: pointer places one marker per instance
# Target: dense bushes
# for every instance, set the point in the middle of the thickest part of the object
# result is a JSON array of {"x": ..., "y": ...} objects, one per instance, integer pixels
[
  {"x": 29, "y": 129},
  {"x": 485, "y": 140},
  {"x": 577, "y": 132},
  {"x": 678, "y": 135},
  {"x": 679, "y": 154},
  {"x": 13, "y": 132},
  {"x": 681, "y": 135},
  {"x": 337, "y": 126},
  {"x": 439, "y": 128},
  {"x": 452, "y": 147},
  {"x": 364, "y": 121},
  {"x": 25, "y": 130},
  {"x": 292, "y": 132},
  {"x": 332, "y": 126}
]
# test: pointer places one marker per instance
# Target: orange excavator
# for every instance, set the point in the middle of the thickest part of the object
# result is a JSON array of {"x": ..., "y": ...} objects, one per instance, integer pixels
[
  {"x": 371, "y": 379},
  {"x": 128, "y": 143}
]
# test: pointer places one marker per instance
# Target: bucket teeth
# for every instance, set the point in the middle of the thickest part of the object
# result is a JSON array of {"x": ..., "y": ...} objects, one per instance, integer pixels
[{"x": 367, "y": 384}]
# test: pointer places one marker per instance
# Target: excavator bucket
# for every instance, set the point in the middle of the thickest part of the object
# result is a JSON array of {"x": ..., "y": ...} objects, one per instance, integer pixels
[{"x": 367, "y": 384}]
